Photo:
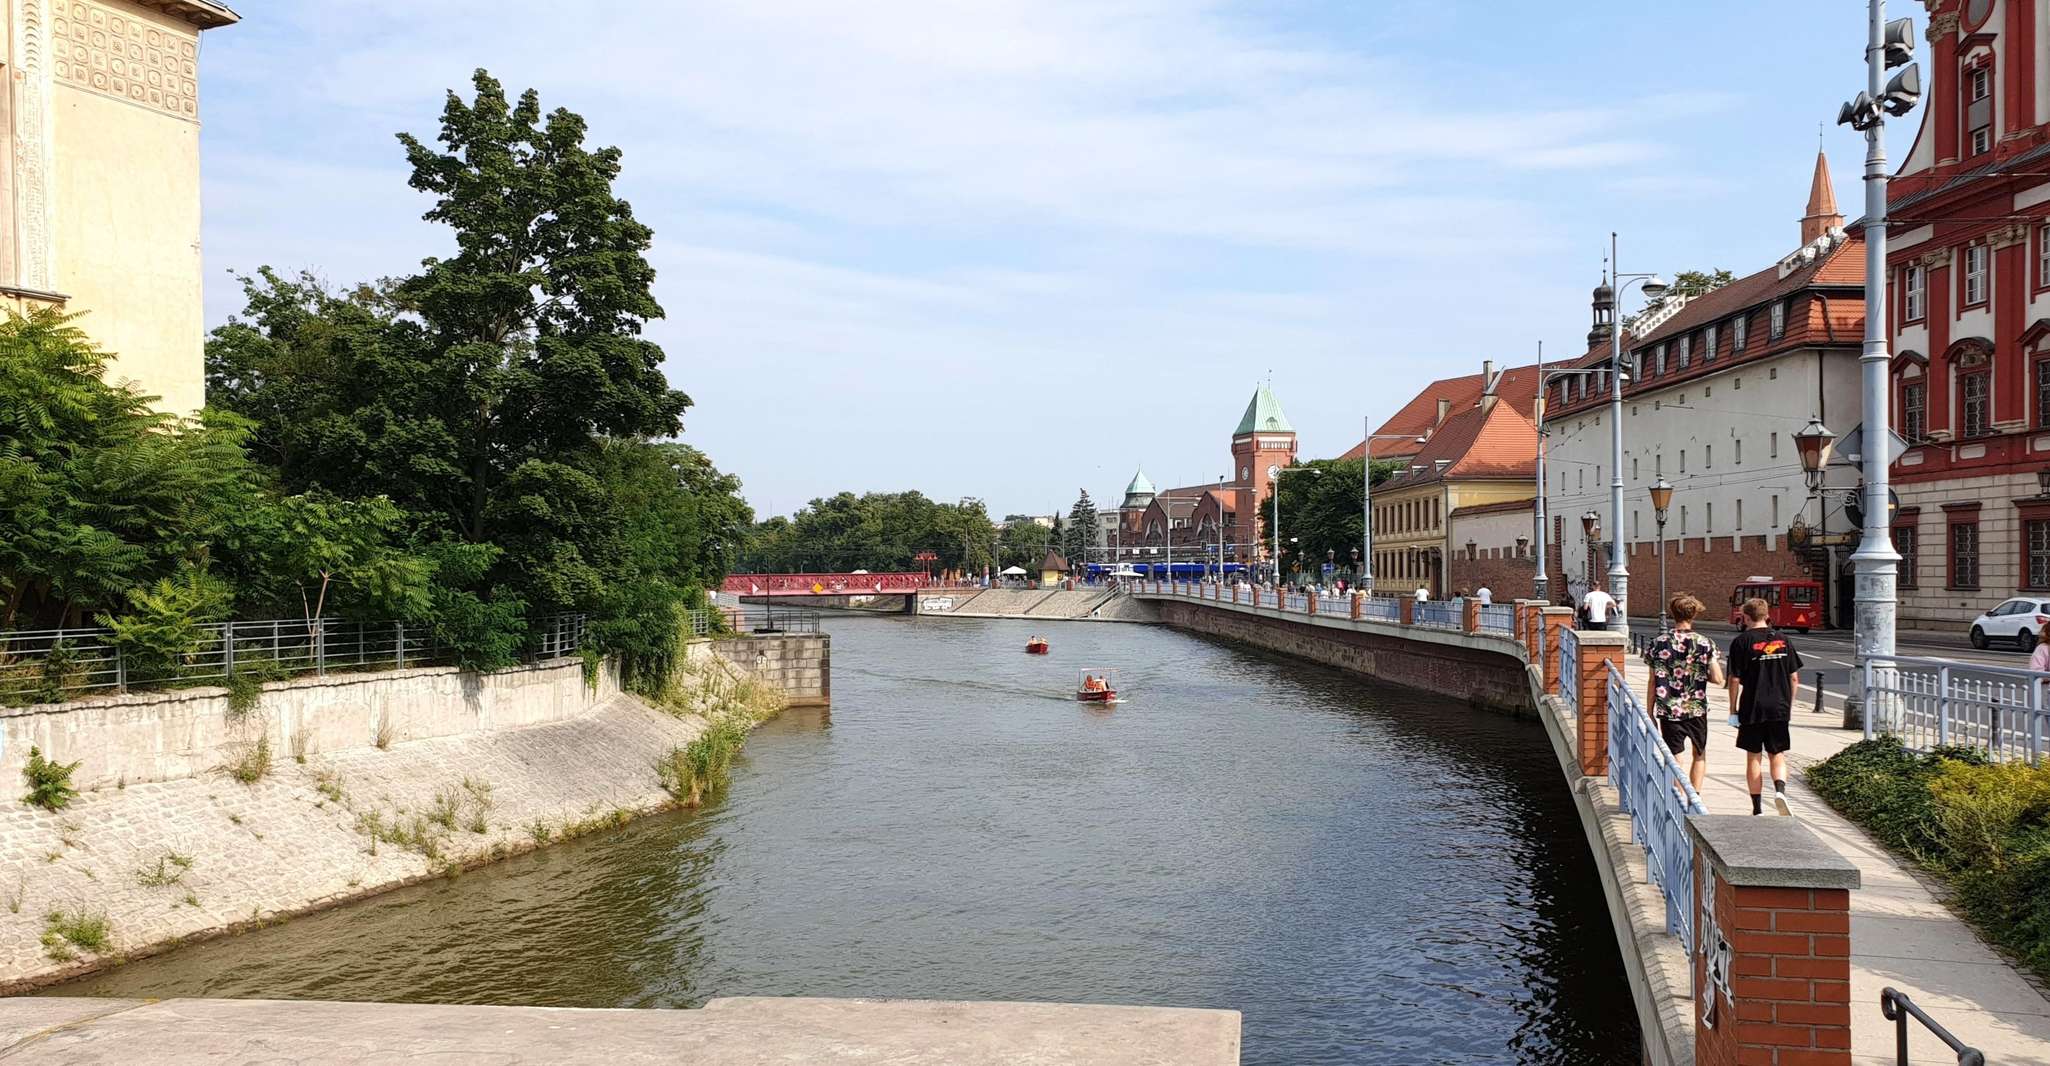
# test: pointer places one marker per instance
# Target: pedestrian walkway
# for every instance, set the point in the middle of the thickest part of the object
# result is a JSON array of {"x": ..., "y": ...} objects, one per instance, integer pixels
[{"x": 1901, "y": 935}]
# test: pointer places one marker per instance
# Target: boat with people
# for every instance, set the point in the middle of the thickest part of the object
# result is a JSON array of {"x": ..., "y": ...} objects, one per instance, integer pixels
[
  {"x": 1097, "y": 687},
  {"x": 1036, "y": 646}
]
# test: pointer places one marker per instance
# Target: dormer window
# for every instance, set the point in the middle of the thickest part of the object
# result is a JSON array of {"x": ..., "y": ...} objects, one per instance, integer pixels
[
  {"x": 1708, "y": 339},
  {"x": 1779, "y": 319},
  {"x": 1659, "y": 357},
  {"x": 1686, "y": 354},
  {"x": 1739, "y": 332}
]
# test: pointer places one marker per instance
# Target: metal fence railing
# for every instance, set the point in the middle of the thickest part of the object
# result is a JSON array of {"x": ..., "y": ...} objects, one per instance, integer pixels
[
  {"x": 1381, "y": 609},
  {"x": 764, "y": 618},
  {"x": 1569, "y": 668},
  {"x": 53, "y": 665},
  {"x": 1438, "y": 614},
  {"x": 1934, "y": 703},
  {"x": 1498, "y": 618},
  {"x": 1655, "y": 793},
  {"x": 1295, "y": 601}
]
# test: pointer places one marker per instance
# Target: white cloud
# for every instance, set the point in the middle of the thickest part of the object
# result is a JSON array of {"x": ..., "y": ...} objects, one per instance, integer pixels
[{"x": 1023, "y": 215}]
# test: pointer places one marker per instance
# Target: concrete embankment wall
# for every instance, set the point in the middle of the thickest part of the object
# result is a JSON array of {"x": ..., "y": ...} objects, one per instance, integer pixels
[
  {"x": 1480, "y": 670},
  {"x": 1083, "y": 604},
  {"x": 473, "y": 769}
]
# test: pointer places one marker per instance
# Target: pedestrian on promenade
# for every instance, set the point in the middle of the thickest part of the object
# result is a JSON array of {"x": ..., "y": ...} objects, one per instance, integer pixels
[
  {"x": 1485, "y": 595},
  {"x": 1683, "y": 664},
  {"x": 1595, "y": 608},
  {"x": 1765, "y": 678},
  {"x": 1423, "y": 595}
]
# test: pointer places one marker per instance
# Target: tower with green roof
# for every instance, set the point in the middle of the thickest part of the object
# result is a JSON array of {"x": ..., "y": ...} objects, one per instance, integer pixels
[{"x": 1264, "y": 439}]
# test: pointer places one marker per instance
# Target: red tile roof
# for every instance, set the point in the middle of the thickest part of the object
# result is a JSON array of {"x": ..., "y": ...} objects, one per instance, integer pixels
[
  {"x": 1496, "y": 443},
  {"x": 1528, "y": 503},
  {"x": 1516, "y": 386}
]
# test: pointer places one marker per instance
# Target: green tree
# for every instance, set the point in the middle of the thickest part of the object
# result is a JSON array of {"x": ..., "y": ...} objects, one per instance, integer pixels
[
  {"x": 1081, "y": 530},
  {"x": 1321, "y": 513},
  {"x": 1024, "y": 543},
  {"x": 874, "y": 531}
]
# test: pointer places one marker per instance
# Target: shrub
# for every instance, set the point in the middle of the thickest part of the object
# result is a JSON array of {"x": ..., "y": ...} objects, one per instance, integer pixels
[
  {"x": 245, "y": 688},
  {"x": 25, "y": 682},
  {"x": 699, "y": 770},
  {"x": 49, "y": 783},
  {"x": 163, "y": 628}
]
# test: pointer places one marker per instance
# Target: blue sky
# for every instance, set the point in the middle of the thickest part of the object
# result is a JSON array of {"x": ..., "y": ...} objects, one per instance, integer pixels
[{"x": 1009, "y": 248}]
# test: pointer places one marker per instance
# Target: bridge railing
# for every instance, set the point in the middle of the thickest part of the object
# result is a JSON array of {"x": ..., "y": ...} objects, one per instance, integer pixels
[
  {"x": 1569, "y": 668},
  {"x": 1498, "y": 618},
  {"x": 1438, "y": 614},
  {"x": 1655, "y": 793},
  {"x": 1381, "y": 609},
  {"x": 1933, "y": 703},
  {"x": 848, "y": 584}
]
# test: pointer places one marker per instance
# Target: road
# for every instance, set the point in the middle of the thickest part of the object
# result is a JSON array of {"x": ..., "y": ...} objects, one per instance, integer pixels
[{"x": 1832, "y": 652}]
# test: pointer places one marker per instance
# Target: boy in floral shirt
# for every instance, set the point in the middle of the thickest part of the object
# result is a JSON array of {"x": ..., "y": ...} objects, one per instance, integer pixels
[{"x": 1683, "y": 664}]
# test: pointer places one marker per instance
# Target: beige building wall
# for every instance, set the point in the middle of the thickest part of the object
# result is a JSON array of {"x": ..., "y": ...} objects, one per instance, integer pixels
[{"x": 104, "y": 179}]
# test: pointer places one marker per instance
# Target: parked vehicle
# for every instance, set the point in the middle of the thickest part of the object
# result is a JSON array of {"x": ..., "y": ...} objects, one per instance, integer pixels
[
  {"x": 2020, "y": 620},
  {"x": 1796, "y": 605}
]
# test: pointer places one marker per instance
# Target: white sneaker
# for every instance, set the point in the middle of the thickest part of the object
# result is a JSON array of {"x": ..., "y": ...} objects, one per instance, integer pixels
[{"x": 1781, "y": 803}]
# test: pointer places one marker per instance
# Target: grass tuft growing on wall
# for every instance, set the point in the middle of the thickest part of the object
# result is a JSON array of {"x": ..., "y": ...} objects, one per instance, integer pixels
[
  {"x": 49, "y": 783},
  {"x": 65, "y": 933}
]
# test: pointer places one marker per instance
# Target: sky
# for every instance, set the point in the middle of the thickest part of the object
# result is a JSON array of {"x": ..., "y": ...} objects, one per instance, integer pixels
[{"x": 1010, "y": 249}]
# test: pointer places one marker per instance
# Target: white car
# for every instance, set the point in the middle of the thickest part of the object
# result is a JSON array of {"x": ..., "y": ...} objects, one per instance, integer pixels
[{"x": 2020, "y": 620}]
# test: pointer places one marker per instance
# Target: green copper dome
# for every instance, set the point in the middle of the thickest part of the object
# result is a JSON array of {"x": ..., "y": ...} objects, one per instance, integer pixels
[
  {"x": 1263, "y": 415},
  {"x": 1140, "y": 486}
]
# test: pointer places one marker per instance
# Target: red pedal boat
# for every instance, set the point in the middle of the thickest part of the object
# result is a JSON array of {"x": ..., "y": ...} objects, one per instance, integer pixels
[
  {"x": 1035, "y": 646},
  {"x": 1097, "y": 687}
]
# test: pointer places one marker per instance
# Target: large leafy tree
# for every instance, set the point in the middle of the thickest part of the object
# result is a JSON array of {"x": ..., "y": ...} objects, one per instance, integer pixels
[
  {"x": 875, "y": 531},
  {"x": 1321, "y": 513}
]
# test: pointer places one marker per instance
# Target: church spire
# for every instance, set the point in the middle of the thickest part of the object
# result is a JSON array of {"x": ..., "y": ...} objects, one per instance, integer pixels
[{"x": 1822, "y": 214}]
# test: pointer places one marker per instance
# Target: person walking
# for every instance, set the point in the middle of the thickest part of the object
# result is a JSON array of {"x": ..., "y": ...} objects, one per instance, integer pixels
[
  {"x": 1765, "y": 679},
  {"x": 1423, "y": 595},
  {"x": 1683, "y": 664},
  {"x": 1484, "y": 594},
  {"x": 1595, "y": 608}
]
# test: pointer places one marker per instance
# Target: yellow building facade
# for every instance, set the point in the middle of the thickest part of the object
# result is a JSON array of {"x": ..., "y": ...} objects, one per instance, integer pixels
[
  {"x": 99, "y": 179},
  {"x": 1481, "y": 456}
]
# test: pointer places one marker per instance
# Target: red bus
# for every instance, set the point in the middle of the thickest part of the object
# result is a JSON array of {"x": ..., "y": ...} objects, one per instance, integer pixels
[{"x": 1796, "y": 605}]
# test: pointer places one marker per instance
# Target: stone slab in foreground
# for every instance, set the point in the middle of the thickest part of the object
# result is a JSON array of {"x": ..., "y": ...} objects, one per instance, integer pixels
[{"x": 730, "y": 1032}]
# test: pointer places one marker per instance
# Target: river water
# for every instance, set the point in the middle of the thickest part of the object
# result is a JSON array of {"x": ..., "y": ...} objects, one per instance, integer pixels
[{"x": 1370, "y": 874}]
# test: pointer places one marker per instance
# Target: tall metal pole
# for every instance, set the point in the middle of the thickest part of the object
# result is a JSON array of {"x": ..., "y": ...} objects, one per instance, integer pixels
[
  {"x": 1619, "y": 571},
  {"x": 1541, "y": 584},
  {"x": 1876, "y": 562},
  {"x": 1220, "y": 531},
  {"x": 1367, "y": 504},
  {"x": 1277, "y": 531}
]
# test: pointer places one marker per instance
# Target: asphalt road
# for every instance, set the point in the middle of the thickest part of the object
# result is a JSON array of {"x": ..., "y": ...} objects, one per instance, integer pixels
[{"x": 1832, "y": 652}]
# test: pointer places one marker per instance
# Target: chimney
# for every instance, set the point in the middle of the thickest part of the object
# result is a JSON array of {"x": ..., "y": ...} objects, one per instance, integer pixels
[{"x": 1444, "y": 412}]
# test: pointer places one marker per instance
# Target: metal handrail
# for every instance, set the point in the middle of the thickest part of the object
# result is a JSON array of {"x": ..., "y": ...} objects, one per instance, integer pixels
[
  {"x": 1934, "y": 703},
  {"x": 1440, "y": 614},
  {"x": 1569, "y": 668},
  {"x": 1499, "y": 617},
  {"x": 1898, "y": 1008},
  {"x": 1656, "y": 794}
]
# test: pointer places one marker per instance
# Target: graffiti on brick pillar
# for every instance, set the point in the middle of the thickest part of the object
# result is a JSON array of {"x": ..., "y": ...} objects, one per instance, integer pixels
[{"x": 1713, "y": 948}]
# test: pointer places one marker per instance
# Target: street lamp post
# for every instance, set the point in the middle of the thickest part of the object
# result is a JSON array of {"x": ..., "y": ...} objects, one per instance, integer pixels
[
  {"x": 1220, "y": 531},
  {"x": 1274, "y": 474},
  {"x": 1661, "y": 498},
  {"x": 1367, "y": 497},
  {"x": 1887, "y": 45},
  {"x": 1619, "y": 571},
  {"x": 1591, "y": 528},
  {"x": 1542, "y": 583}
]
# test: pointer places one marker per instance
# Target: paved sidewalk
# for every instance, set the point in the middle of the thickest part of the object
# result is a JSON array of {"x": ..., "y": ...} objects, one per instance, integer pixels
[{"x": 1901, "y": 935}]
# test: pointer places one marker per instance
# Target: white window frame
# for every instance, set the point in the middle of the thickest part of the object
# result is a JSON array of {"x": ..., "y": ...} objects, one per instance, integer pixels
[
  {"x": 1708, "y": 338},
  {"x": 1975, "y": 274},
  {"x": 1779, "y": 319},
  {"x": 1914, "y": 281}
]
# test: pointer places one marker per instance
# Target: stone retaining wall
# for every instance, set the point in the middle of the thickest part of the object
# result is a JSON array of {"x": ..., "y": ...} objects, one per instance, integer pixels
[
  {"x": 798, "y": 664},
  {"x": 162, "y": 736},
  {"x": 1463, "y": 667}
]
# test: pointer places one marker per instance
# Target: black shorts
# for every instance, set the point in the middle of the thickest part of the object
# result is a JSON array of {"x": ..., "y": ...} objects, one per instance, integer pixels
[
  {"x": 1768, "y": 737},
  {"x": 1678, "y": 731}
]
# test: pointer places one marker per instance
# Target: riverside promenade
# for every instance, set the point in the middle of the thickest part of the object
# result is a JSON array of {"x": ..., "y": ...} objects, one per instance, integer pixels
[{"x": 1900, "y": 934}]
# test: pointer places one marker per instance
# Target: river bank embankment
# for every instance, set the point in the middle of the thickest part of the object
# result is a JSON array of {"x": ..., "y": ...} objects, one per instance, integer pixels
[{"x": 193, "y": 820}]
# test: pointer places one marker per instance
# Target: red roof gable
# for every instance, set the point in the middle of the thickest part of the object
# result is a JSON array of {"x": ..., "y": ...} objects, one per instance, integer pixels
[
  {"x": 1496, "y": 443},
  {"x": 1516, "y": 387}
]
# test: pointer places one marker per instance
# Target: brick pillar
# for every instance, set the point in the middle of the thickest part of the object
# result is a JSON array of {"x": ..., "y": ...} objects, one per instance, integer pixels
[
  {"x": 1598, "y": 650},
  {"x": 1310, "y": 603},
  {"x": 1357, "y": 599},
  {"x": 1529, "y": 622},
  {"x": 1406, "y": 611},
  {"x": 1553, "y": 619},
  {"x": 1772, "y": 961},
  {"x": 1470, "y": 615}
]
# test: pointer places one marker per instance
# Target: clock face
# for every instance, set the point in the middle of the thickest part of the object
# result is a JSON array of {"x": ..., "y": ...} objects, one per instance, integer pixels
[
  {"x": 1273, "y": 471},
  {"x": 1976, "y": 12}
]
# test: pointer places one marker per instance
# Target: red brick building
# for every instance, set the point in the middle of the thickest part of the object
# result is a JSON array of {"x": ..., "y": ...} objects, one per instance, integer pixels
[
  {"x": 1968, "y": 258},
  {"x": 1442, "y": 399},
  {"x": 1190, "y": 517}
]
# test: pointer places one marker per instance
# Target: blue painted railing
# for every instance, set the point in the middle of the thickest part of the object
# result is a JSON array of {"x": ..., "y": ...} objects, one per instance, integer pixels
[
  {"x": 1569, "y": 668},
  {"x": 1655, "y": 793},
  {"x": 1381, "y": 609},
  {"x": 1498, "y": 617},
  {"x": 1443, "y": 614}
]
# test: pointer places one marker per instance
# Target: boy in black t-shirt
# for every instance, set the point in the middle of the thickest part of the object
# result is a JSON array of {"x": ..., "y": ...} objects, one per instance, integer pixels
[{"x": 1765, "y": 676}]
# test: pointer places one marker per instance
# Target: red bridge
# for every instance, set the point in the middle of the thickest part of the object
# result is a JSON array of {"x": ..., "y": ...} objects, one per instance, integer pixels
[{"x": 824, "y": 584}]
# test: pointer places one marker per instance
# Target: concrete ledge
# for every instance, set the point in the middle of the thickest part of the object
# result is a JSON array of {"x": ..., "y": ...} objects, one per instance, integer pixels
[
  {"x": 1770, "y": 852},
  {"x": 730, "y": 1032}
]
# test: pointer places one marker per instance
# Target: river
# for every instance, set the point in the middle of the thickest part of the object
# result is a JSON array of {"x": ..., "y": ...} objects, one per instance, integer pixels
[{"x": 1370, "y": 874}]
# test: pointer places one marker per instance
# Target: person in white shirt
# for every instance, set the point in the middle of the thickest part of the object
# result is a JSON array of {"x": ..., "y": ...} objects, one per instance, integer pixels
[
  {"x": 1485, "y": 595},
  {"x": 1595, "y": 607},
  {"x": 1423, "y": 595}
]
